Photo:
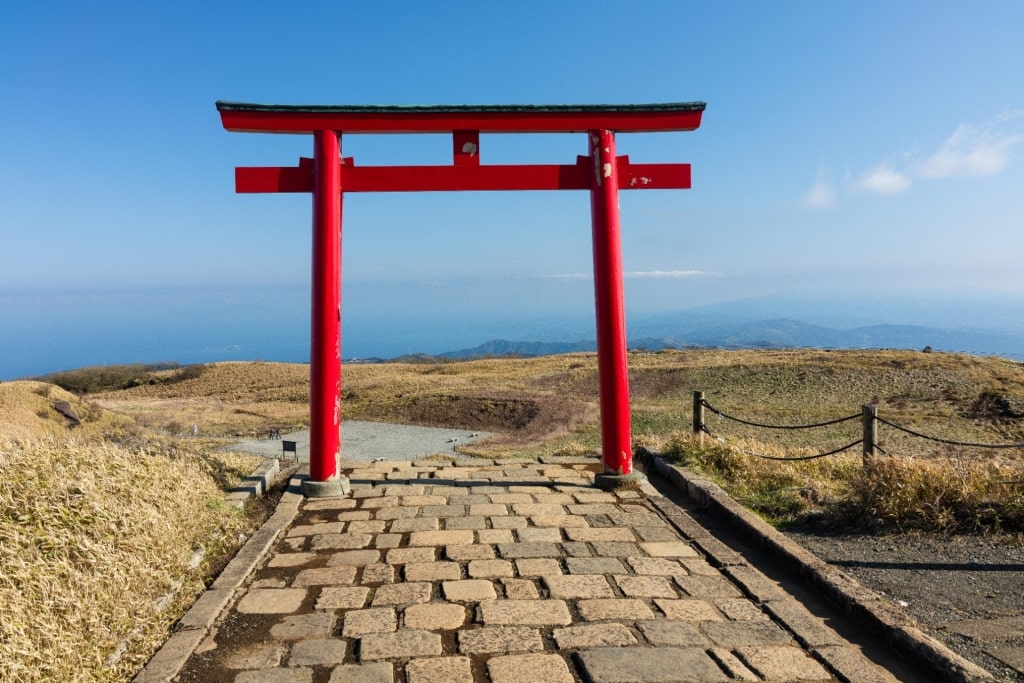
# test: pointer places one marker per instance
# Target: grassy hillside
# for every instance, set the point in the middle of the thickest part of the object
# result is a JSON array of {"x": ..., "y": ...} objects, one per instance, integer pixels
[{"x": 107, "y": 533}]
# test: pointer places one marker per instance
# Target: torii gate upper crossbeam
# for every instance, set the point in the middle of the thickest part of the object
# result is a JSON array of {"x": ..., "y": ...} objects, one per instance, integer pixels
[{"x": 328, "y": 176}]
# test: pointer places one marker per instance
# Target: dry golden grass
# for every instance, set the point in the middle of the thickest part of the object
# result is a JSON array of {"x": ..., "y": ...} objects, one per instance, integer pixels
[{"x": 102, "y": 546}]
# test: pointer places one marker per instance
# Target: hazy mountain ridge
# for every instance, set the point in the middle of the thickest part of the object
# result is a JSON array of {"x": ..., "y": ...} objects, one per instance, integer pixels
[{"x": 771, "y": 333}]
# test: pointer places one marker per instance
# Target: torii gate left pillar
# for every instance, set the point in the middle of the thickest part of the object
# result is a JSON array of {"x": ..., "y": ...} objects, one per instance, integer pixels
[{"x": 327, "y": 176}]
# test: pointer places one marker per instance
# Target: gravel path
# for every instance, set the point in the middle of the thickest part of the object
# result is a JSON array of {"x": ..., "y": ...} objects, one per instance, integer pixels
[
  {"x": 366, "y": 441},
  {"x": 967, "y": 591}
]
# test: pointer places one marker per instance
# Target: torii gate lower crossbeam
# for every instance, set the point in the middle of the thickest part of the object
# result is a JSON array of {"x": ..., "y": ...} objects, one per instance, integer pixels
[{"x": 328, "y": 176}]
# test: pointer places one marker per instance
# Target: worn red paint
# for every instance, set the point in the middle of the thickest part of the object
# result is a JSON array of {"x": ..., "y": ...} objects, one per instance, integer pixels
[{"x": 328, "y": 176}]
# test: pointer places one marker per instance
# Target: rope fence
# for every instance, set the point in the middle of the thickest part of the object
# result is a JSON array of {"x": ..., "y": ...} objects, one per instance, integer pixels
[{"x": 869, "y": 426}]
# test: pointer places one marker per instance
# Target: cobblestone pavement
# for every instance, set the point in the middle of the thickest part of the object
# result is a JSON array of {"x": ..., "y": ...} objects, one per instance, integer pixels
[{"x": 507, "y": 573}]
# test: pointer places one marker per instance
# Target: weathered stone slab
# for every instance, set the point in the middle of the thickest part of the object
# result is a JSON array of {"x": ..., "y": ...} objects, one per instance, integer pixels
[
  {"x": 439, "y": 670},
  {"x": 656, "y": 566},
  {"x": 622, "y": 609},
  {"x": 271, "y": 601},
  {"x": 378, "y": 672},
  {"x": 646, "y": 586},
  {"x": 444, "y": 537},
  {"x": 528, "y": 669},
  {"x": 291, "y": 559},
  {"x": 374, "y": 620},
  {"x": 340, "y": 541},
  {"x": 490, "y": 568},
  {"x": 349, "y": 597},
  {"x": 538, "y": 567},
  {"x": 781, "y": 663},
  {"x": 435, "y": 616},
  {"x": 318, "y": 652},
  {"x": 500, "y": 639},
  {"x": 650, "y": 665},
  {"x": 378, "y": 573},
  {"x": 672, "y": 633},
  {"x": 593, "y": 635},
  {"x": 355, "y": 558},
  {"x": 298, "y": 626},
  {"x": 571, "y": 586},
  {"x": 461, "y": 553},
  {"x": 325, "y": 576},
  {"x": 432, "y": 571},
  {"x": 594, "y": 565},
  {"x": 600, "y": 534},
  {"x": 468, "y": 590},
  {"x": 525, "y": 613},
  {"x": 401, "y": 644},
  {"x": 539, "y": 535},
  {"x": 402, "y": 594},
  {"x": 734, "y": 634},
  {"x": 405, "y": 555},
  {"x": 688, "y": 610},
  {"x": 511, "y": 551},
  {"x": 520, "y": 589}
]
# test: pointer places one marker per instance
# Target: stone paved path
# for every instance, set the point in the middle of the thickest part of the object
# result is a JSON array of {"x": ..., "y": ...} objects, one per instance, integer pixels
[{"x": 507, "y": 573}]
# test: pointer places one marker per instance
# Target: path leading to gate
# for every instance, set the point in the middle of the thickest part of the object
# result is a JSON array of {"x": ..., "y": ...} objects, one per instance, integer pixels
[{"x": 502, "y": 572}]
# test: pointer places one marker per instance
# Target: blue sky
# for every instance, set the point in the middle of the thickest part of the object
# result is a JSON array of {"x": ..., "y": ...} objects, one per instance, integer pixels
[{"x": 870, "y": 146}]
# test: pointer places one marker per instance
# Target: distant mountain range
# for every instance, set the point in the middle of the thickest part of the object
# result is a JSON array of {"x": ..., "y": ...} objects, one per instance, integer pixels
[{"x": 685, "y": 330}]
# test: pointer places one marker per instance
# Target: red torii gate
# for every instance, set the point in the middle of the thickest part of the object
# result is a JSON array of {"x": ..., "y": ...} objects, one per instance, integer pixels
[{"x": 328, "y": 175}]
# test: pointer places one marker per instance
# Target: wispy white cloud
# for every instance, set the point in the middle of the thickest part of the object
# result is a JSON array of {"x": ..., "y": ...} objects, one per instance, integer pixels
[
  {"x": 822, "y": 194},
  {"x": 974, "y": 151},
  {"x": 635, "y": 275},
  {"x": 883, "y": 179},
  {"x": 653, "y": 274}
]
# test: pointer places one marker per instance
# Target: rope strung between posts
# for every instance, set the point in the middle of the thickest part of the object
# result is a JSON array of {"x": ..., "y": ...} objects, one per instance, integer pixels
[
  {"x": 949, "y": 441},
  {"x": 718, "y": 412},
  {"x": 793, "y": 459}
]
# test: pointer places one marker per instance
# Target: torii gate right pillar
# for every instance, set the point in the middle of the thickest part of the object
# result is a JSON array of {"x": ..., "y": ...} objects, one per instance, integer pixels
[{"x": 609, "y": 302}]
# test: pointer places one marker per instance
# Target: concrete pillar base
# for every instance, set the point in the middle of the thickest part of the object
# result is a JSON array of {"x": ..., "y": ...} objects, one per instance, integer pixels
[
  {"x": 332, "y": 488},
  {"x": 609, "y": 482}
]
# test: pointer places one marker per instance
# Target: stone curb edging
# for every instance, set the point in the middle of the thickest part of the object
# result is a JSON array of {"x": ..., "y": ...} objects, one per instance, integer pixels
[
  {"x": 859, "y": 603},
  {"x": 190, "y": 631},
  {"x": 256, "y": 484}
]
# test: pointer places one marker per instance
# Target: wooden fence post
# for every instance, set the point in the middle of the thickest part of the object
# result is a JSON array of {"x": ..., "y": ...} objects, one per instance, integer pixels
[
  {"x": 698, "y": 414},
  {"x": 869, "y": 426}
]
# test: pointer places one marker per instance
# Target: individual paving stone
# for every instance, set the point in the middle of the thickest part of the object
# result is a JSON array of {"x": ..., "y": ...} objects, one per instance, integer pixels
[
  {"x": 432, "y": 571},
  {"x": 260, "y": 656},
  {"x": 386, "y": 541},
  {"x": 688, "y": 610},
  {"x": 783, "y": 664},
  {"x": 374, "y": 620},
  {"x": 593, "y": 635},
  {"x": 625, "y": 516},
  {"x": 370, "y": 526},
  {"x": 269, "y": 583},
  {"x": 435, "y": 616},
  {"x": 755, "y": 583},
  {"x": 734, "y": 668},
  {"x": 328, "y": 504},
  {"x": 511, "y": 551},
  {"x": 739, "y": 609},
  {"x": 352, "y": 597},
  {"x": 378, "y": 573},
  {"x": 535, "y": 535},
  {"x": 446, "y": 537},
  {"x": 500, "y": 639},
  {"x": 401, "y": 644},
  {"x": 698, "y": 567},
  {"x": 615, "y": 549},
  {"x": 577, "y": 586},
  {"x": 297, "y": 675},
  {"x": 291, "y": 559},
  {"x": 734, "y": 634},
  {"x": 656, "y": 566},
  {"x": 401, "y": 594},
  {"x": 378, "y": 503},
  {"x": 406, "y": 555},
  {"x": 318, "y": 652},
  {"x": 340, "y": 541},
  {"x": 622, "y": 609},
  {"x": 594, "y": 497},
  {"x": 592, "y": 534},
  {"x": 443, "y": 511},
  {"x": 312, "y": 529},
  {"x": 530, "y": 509},
  {"x": 576, "y": 549},
  {"x": 674, "y": 633},
  {"x": 359, "y": 492},
  {"x": 707, "y": 587},
  {"x": 559, "y": 521},
  {"x": 439, "y": 670},
  {"x": 520, "y": 589},
  {"x": 468, "y": 590},
  {"x": 415, "y": 524},
  {"x": 490, "y": 568},
  {"x": 300, "y": 626},
  {"x": 271, "y": 601},
  {"x": 488, "y": 510},
  {"x": 511, "y": 498},
  {"x": 525, "y": 613},
  {"x": 472, "y": 500},
  {"x": 646, "y": 586},
  {"x": 378, "y": 672},
  {"x": 494, "y": 536},
  {"x": 553, "y": 498},
  {"x": 528, "y": 668},
  {"x": 325, "y": 576},
  {"x": 594, "y": 565},
  {"x": 668, "y": 549},
  {"x": 404, "y": 490},
  {"x": 809, "y": 630},
  {"x": 649, "y": 665},
  {"x": 851, "y": 665},
  {"x": 413, "y": 501},
  {"x": 592, "y": 509},
  {"x": 355, "y": 558},
  {"x": 397, "y": 513},
  {"x": 462, "y": 553},
  {"x": 656, "y": 533},
  {"x": 538, "y": 567},
  {"x": 508, "y": 522},
  {"x": 465, "y": 523}
]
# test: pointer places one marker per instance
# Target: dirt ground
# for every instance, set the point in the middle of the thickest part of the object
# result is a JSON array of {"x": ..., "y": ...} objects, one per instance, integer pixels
[{"x": 966, "y": 591}]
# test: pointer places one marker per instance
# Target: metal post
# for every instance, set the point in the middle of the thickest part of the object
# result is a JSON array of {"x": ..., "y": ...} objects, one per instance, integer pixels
[
  {"x": 869, "y": 430},
  {"x": 609, "y": 299},
  {"x": 325, "y": 343}
]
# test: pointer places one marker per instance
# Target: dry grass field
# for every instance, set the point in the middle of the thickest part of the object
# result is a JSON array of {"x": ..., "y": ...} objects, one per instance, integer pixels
[{"x": 110, "y": 518}]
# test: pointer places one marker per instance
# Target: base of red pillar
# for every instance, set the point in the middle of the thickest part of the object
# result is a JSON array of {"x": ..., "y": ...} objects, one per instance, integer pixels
[
  {"x": 609, "y": 482},
  {"x": 332, "y": 488}
]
